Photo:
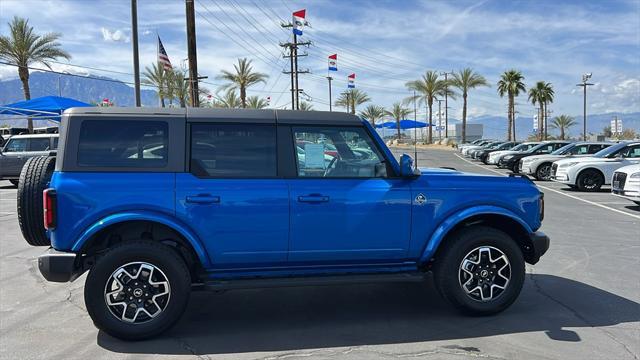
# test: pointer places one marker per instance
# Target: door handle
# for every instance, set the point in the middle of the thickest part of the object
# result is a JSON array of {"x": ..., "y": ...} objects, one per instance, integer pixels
[
  {"x": 313, "y": 198},
  {"x": 203, "y": 199}
]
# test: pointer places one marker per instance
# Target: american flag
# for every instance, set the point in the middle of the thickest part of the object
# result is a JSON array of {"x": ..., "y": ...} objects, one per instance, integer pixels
[{"x": 163, "y": 58}]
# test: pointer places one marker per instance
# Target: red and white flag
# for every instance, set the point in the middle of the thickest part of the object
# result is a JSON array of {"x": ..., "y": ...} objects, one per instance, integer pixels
[
  {"x": 298, "y": 21},
  {"x": 163, "y": 58},
  {"x": 351, "y": 81},
  {"x": 333, "y": 62}
]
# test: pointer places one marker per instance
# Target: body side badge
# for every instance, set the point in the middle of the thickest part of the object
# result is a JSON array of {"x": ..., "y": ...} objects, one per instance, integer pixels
[{"x": 420, "y": 199}]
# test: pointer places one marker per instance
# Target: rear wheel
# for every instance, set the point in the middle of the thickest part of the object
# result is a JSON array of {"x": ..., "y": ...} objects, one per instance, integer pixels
[
  {"x": 590, "y": 180},
  {"x": 481, "y": 271},
  {"x": 34, "y": 178},
  {"x": 544, "y": 172},
  {"x": 137, "y": 290}
]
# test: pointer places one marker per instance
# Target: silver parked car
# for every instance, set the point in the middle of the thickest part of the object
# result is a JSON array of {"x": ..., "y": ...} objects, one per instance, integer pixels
[{"x": 20, "y": 148}]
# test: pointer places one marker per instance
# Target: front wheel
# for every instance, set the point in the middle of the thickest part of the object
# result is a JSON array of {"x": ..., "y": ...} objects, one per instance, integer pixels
[
  {"x": 590, "y": 180},
  {"x": 544, "y": 172},
  {"x": 137, "y": 290},
  {"x": 481, "y": 271}
]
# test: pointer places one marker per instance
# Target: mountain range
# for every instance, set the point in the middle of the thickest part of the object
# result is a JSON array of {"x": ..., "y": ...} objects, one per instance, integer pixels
[{"x": 92, "y": 90}]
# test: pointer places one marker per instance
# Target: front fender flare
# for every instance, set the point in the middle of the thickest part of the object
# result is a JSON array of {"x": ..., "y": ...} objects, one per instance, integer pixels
[
  {"x": 141, "y": 215},
  {"x": 443, "y": 229}
]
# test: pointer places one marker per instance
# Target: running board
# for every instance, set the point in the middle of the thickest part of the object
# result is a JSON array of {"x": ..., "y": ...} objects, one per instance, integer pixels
[{"x": 308, "y": 281}]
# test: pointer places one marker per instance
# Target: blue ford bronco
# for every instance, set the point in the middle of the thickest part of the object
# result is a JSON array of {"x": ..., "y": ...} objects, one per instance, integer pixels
[{"x": 155, "y": 203}]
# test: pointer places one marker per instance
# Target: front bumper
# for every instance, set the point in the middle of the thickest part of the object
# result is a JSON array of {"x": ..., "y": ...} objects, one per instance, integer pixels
[
  {"x": 539, "y": 244},
  {"x": 58, "y": 266}
]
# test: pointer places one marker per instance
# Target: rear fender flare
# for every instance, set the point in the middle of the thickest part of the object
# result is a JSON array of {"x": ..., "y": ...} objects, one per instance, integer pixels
[
  {"x": 453, "y": 220},
  {"x": 151, "y": 216}
]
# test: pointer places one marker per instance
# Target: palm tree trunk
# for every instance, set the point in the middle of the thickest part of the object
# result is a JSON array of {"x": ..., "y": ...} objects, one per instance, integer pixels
[
  {"x": 23, "y": 73},
  {"x": 243, "y": 96},
  {"x": 561, "y": 132},
  {"x": 353, "y": 105},
  {"x": 509, "y": 120},
  {"x": 464, "y": 117},
  {"x": 545, "y": 122},
  {"x": 430, "y": 121}
]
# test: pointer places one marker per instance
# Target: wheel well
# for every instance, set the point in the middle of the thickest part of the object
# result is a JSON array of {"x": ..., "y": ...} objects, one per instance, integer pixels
[
  {"x": 100, "y": 242},
  {"x": 500, "y": 222}
]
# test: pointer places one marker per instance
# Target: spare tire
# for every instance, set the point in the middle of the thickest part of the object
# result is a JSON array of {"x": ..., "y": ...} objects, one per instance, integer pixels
[{"x": 34, "y": 178}]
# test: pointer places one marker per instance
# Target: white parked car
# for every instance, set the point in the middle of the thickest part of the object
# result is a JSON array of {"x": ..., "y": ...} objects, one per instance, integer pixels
[
  {"x": 539, "y": 166},
  {"x": 591, "y": 173},
  {"x": 495, "y": 156},
  {"x": 626, "y": 183},
  {"x": 465, "y": 149}
]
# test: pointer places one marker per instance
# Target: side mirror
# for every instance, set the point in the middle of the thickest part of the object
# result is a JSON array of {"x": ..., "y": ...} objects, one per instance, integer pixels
[{"x": 406, "y": 166}]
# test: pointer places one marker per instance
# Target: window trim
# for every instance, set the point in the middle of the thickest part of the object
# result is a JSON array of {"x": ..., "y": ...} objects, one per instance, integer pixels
[
  {"x": 232, "y": 123},
  {"x": 390, "y": 172}
]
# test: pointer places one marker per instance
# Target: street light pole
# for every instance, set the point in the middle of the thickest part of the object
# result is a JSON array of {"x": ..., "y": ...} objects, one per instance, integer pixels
[
  {"x": 136, "y": 60},
  {"x": 415, "y": 128},
  {"x": 584, "y": 84}
]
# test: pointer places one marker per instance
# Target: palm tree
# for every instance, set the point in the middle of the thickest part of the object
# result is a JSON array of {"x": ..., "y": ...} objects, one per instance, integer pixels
[
  {"x": 179, "y": 87},
  {"x": 305, "y": 106},
  {"x": 243, "y": 78},
  {"x": 157, "y": 77},
  {"x": 23, "y": 47},
  {"x": 228, "y": 100},
  {"x": 256, "y": 102},
  {"x": 541, "y": 94},
  {"x": 398, "y": 112},
  {"x": 428, "y": 88},
  {"x": 352, "y": 98},
  {"x": 511, "y": 84},
  {"x": 465, "y": 80},
  {"x": 562, "y": 122},
  {"x": 372, "y": 113}
]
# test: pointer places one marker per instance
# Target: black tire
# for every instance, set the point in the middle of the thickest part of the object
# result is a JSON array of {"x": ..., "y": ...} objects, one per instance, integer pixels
[
  {"x": 448, "y": 262},
  {"x": 543, "y": 172},
  {"x": 590, "y": 180},
  {"x": 514, "y": 168},
  {"x": 34, "y": 178},
  {"x": 170, "y": 264},
  {"x": 14, "y": 182}
]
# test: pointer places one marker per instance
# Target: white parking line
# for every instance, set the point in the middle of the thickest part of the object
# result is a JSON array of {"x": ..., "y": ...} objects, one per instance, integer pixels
[{"x": 556, "y": 191}]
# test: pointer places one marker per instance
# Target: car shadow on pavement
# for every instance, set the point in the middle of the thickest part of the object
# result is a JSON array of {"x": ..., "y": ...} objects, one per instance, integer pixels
[
  {"x": 633, "y": 207},
  {"x": 337, "y": 316}
]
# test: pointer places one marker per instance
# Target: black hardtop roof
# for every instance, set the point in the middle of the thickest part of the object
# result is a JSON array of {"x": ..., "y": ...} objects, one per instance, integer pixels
[{"x": 224, "y": 115}]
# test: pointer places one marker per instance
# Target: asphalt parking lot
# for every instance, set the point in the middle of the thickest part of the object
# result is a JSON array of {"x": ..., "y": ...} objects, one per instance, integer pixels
[{"x": 581, "y": 301}]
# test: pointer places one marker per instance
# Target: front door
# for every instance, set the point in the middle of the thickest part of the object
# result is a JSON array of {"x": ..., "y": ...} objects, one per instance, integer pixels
[
  {"x": 232, "y": 196},
  {"x": 344, "y": 206},
  {"x": 14, "y": 155}
]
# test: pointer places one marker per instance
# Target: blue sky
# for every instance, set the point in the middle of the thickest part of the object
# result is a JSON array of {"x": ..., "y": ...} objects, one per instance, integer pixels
[{"x": 386, "y": 43}]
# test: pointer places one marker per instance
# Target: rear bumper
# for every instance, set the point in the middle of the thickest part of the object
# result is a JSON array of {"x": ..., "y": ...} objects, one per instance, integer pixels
[
  {"x": 539, "y": 246},
  {"x": 58, "y": 266}
]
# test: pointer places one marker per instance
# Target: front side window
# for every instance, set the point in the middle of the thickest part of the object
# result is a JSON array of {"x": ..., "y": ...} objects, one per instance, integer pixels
[
  {"x": 16, "y": 145},
  {"x": 632, "y": 152},
  {"x": 579, "y": 150},
  {"x": 337, "y": 152},
  {"x": 233, "y": 150},
  {"x": 106, "y": 143},
  {"x": 39, "y": 144}
]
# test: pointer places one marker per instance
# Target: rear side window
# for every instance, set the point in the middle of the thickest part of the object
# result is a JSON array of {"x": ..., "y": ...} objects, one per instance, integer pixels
[
  {"x": 233, "y": 150},
  {"x": 104, "y": 143},
  {"x": 39, "y": 144},
  {"x": 16, "y": 145}
]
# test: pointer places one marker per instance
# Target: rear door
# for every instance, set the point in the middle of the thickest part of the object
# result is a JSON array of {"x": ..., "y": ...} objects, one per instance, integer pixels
[
  {"x": 345, "y": 208},
  {"x": 232, "y": 195},
  {"x": 14, "y": 156}
]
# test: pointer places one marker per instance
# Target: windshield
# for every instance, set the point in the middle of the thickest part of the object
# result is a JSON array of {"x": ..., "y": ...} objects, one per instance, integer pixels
[
  {"x": 564, "y": 150},
  {"x": 611, "y": 150}
]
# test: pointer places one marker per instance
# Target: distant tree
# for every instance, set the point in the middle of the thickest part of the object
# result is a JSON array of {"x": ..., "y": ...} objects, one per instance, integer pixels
[
  {"x": 23, "y": 47},
  {"x": 427, "y": 89},
  {"x": 178, "y": 88},
  {"x": 352, "y": 98},
  {"x": 256, "y": 102},
  {"x": 372, "y": 113},
  {"x": 628, "y": 134},
  {"x": 562, "y": 123},
  {"x": 228, "y": 100},
  {"x": 542, "y": 94},
  {"x": 306, "y": 106},
  {"x": 511, "y": 84},
  {"x": 398, "y": 112},
  {"x": 465, "y": 80},
  {"x": 606, "y": 131},
  {"x": 157, "y": 77},
  {"x": 242, "y": 78}
]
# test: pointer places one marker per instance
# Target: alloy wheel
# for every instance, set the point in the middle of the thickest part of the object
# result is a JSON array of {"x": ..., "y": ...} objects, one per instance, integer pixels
[{"x": 484, "y": 273}]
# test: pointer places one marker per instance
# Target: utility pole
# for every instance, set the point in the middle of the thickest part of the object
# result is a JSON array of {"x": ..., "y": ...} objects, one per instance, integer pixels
[
  {"x": 191, "y": 51},
  {"x": 440, "y": 117},
  {"x": 136, "y": 59},
  {"x": 415, "y": 128},
  {"x": 584, "y": 84},
  {"x": 446, "y": 104},
  {"x": 546, "y": 118},
  {"x": 293, "y": 55},
  {"x": 330, "y": 106}
]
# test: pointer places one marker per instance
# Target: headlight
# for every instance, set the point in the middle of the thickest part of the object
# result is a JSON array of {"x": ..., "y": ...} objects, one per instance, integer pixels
[
  {"x": 508, "y": 157},
  {"x": 635, "y": 175},
  {"x": 568, "y": 164}
]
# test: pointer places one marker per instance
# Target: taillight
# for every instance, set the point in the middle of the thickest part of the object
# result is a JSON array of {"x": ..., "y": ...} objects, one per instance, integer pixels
[{"x": 49, "y": 207}]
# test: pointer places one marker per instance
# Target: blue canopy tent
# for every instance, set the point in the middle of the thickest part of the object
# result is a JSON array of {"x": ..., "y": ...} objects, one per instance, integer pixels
[
  {"x": 43, "y": 108},
  {"x": 404, "y": 124}
]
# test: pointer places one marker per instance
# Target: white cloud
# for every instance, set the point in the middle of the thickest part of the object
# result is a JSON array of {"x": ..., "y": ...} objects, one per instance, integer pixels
[{"x": 117, "y": 35}]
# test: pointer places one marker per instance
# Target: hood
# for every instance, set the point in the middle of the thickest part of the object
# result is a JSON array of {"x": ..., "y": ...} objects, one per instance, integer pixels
[
  {"x": 588, "y": 159},
  {"x": 629, "y": 169},
  {"x": 547, "y": 157},
  {"x": 454, "y": 179}
]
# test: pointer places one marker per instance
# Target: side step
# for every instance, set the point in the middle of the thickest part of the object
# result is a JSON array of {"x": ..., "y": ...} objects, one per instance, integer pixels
[{"x": 254, "y": 283}]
